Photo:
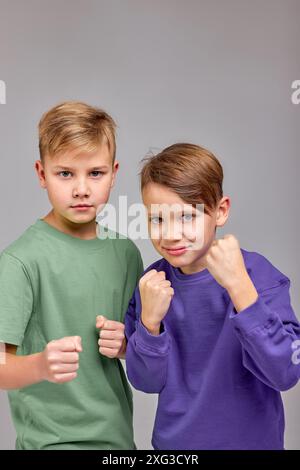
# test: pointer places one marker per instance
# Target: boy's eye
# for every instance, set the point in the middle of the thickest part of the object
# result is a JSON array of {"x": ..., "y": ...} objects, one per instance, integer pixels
[
  {"x": 187, "y": 217},
  {"x": 155, "y": 220},
  {"x": 64, "y": 173}
]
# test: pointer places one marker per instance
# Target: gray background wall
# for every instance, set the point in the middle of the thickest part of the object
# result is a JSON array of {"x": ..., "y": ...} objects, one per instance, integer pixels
[{"x": 214, "y": 72}]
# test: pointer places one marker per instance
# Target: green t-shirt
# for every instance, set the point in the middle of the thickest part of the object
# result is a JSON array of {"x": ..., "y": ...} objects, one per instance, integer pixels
[{"x": 54, "y": 285}]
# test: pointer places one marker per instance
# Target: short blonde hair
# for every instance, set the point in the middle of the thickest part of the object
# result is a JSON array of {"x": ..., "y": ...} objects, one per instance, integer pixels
[
  {"x": 75, "y": 125},
  {"x": 190, "y": 171}
]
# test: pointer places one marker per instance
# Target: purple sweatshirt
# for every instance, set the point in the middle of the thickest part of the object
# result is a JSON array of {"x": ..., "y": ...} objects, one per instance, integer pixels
[{"x": 218, "y": 373}]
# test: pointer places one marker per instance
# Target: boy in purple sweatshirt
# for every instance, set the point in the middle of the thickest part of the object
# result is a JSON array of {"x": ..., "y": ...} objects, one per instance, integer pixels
[{"x": 210, "y": 327}]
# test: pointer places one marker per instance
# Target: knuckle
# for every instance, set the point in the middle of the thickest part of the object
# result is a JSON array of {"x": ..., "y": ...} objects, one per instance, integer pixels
[{"x": 51, "y": 358}]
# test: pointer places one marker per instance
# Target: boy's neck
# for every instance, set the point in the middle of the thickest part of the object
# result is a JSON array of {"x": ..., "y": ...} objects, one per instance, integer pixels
[{"x": 84, "y": 231}]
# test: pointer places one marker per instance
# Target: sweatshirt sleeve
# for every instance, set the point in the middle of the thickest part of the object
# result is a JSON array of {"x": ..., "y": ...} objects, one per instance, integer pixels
[
  {"x": 269, "y": 333},
  {"x": 146, "y": 354}
]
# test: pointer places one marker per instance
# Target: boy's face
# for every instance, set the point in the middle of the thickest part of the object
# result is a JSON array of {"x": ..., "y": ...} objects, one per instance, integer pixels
[
  {"x": 181, "y": 233},
  {"x": 78, "y": 183}
]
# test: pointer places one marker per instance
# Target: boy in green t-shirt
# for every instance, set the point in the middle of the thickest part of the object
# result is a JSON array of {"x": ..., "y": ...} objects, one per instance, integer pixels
[{"x": 67, "y": 387}]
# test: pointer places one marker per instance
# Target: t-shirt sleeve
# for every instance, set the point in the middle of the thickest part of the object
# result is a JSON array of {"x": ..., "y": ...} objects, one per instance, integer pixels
[{"x": 16, "y": 299}]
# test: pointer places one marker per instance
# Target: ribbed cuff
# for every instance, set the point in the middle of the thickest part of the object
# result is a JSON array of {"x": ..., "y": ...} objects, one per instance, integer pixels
[
  {"x": 256, "y": 315},
  {"x": 159, "y": 344}
]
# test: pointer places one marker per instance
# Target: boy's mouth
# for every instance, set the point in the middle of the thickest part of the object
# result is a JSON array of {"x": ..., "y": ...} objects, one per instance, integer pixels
[
  {"x": 176, "y": 251},
  {"x": 82, "y": 207}
]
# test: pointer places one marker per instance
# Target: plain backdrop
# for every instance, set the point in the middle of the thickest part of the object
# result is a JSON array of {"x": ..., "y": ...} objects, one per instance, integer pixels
[{"x": 213, "y": 72}]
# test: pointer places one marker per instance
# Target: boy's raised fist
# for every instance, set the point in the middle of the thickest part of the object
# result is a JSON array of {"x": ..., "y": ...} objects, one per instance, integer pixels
[
  {"x": 225, "y": 262},
  {"x": 156, "y": 295}
]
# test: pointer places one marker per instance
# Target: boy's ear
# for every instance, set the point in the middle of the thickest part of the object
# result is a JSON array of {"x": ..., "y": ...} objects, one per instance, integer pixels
[
  {"x": 40, "y": 173},
  {"x": 223, "y": 211},
  {"x": 115, "y": 170}
]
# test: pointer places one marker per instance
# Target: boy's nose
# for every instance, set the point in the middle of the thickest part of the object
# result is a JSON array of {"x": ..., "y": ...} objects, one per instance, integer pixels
[
  {"x": 81, "y": 189},
  {"x": 172, "y": 232}
]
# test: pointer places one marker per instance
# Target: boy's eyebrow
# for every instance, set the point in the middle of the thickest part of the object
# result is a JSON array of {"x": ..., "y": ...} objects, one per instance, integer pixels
[
  {"x": 178, "y": 213},
  {"x": 61, "y": 167}
]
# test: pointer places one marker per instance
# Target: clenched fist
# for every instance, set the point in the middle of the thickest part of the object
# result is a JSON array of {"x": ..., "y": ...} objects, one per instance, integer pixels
[
  {"x": 112, "y": 342},
  {"x": 156, "y": 295},
  {"x": 60, "y": 359},
  {"x": 225, "y": 262}
]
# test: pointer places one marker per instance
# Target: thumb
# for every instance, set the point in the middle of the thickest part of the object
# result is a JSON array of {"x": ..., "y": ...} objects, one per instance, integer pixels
[
  {"x": 100, "y": 320},
  {"x": 78, "y": 345}
]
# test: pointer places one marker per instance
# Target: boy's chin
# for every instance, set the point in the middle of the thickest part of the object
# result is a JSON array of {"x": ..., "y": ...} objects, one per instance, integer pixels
[
  {"x": 81, "y": 219},
  {"x": 183, "y": 261},
  {"x": 177, "y": 261}
]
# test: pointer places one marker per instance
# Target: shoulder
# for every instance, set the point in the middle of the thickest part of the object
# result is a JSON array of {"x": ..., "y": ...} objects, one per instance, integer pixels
[
  {"x": 23, "y": 248},
  {"x": 123, "y": 248},
  {"x": 262, "y": 272},
  {"x": 121, "y": 242}
]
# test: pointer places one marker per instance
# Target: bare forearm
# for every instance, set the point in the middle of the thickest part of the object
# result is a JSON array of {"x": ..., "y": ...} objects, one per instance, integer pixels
[
  {"x": 20, "y": 371},
  {"x": 243, "y": 293},
  {"x": 152, "y": 327}
]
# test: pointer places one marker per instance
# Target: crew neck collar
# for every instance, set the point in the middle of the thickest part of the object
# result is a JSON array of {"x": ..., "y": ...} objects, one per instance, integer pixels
[
  {"x": 204, "y": 274},
  {"x": 80, "y": 242}
]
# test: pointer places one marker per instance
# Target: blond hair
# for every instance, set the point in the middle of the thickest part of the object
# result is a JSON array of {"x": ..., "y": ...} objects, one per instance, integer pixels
[{"x": 75, "y": 125}]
